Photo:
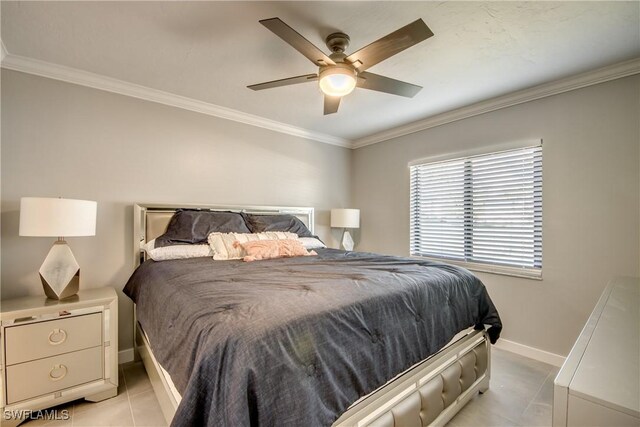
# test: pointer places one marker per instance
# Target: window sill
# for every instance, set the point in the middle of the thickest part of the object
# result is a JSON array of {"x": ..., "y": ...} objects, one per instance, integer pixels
[{"x": 524, "y": 273}]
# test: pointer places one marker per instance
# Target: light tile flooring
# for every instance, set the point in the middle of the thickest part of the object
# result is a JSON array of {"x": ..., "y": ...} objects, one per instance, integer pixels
[
  {"x": 135, "y": 405},
  {"x": 521, "y": 394}
]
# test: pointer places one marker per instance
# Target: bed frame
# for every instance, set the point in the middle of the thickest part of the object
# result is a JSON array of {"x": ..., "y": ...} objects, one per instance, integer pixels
[{"x": 429, "y": 393}]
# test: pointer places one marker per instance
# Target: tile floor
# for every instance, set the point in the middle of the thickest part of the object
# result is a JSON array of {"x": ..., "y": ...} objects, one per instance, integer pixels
[
  {"x": 135, "y": 405},
  {"x": 521, "y": 394}
]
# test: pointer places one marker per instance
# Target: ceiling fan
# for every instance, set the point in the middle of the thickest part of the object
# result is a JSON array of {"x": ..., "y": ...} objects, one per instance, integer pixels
[{"x": 339, "y": 74}]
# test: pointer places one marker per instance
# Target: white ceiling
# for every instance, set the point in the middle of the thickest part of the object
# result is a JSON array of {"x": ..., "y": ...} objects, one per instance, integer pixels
[{"x": 210, "y": 51}]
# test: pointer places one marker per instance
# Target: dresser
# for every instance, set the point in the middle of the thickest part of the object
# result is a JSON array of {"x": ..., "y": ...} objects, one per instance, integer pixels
[
  {"x": 599, "y": 383},
  {"x": 55, "y": 351}
]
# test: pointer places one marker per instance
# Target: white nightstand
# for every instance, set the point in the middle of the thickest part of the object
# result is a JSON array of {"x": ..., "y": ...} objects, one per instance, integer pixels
[{"x": 55, "y": 351}]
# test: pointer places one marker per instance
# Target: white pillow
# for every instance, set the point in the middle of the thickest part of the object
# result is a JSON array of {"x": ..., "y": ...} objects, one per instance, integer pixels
[
  {"x": 150, "y": 245},
  {"x": 312, "y": 243},
  {"x": 223, "y": 246},
  {"x": 165, "y": 253}
]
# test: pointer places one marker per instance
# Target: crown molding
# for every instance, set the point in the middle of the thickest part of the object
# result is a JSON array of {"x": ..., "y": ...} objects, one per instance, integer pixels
[
  {"x": 97, "y": 81},
  {"x": 600, "y": 75}
]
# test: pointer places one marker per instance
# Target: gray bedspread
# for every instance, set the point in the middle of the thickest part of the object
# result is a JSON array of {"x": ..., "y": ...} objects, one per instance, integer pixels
[{"x": 293, "y": 342}]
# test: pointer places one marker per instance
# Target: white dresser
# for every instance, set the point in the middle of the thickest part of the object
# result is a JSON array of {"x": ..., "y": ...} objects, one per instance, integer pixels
[{"x": 599, "y": 383}]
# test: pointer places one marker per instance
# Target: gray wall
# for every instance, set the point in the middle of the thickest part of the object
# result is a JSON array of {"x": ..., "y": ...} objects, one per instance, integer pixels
[
  {"x": 64, "y": 140},
  {"x": 591, "y": 212}
]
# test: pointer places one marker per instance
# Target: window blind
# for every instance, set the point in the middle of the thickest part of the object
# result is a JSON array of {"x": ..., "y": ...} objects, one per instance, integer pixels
[{"x": 484, "y": 209}]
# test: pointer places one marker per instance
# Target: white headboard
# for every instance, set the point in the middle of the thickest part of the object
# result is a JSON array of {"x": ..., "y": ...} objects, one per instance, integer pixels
[{"x": 150, "y": 220}]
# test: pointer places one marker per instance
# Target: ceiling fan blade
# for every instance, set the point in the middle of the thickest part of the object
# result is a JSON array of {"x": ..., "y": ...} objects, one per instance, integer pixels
[
  {"x": 299, "y": 43},
  {"x": 331, "y": 104},
  {"x": 372, "y": 81},
  {"x": 389, "y": 45},
  {"x": 284, "y": 82}
]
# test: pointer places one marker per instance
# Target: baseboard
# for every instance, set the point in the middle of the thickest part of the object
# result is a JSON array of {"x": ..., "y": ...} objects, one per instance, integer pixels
[
  {"x": 125, "y": 356},
  {"x": 530, "y": 352}
]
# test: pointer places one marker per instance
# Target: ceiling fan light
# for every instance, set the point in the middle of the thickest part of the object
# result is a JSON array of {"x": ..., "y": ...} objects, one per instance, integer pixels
[{"x": 337, "y": 81}]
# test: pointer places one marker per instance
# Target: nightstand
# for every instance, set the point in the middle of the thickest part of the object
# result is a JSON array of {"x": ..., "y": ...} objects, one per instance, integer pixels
[{"x": 55, "y": 351}]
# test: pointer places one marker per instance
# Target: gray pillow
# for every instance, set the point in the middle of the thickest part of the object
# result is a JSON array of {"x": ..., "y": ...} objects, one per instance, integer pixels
[
  {"x": 262, "y": 223},
  {"x": 188, "y": 226}
]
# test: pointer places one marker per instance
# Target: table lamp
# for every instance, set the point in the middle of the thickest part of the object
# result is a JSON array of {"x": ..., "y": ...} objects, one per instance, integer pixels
[
  {"x": 345, "y": 218},
  {"x": 50, "y": 217}
]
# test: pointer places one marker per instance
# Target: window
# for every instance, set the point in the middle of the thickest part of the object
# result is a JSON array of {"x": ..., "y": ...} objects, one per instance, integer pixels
[{"x": 484, "y": 211}]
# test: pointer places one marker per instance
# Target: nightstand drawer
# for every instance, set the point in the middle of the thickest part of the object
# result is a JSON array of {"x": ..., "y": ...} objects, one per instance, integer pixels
[
  {"x": 44, "y": 339},
  {"x": 43, "y": 376}
]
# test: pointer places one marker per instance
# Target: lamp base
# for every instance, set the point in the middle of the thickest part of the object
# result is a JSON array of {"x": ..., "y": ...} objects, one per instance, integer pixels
[
  {"x": 60, "y": 272},
  {"x": 347, "y": 241}
]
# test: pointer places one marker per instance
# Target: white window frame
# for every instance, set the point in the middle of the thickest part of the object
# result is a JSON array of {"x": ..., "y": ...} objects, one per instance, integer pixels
[{"x": 524, "y": 272}]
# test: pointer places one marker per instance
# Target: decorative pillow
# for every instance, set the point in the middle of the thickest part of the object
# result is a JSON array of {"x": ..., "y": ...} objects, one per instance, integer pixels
[
  {"x": 179, "y": 252},
  {"x": 312, "y": 243},
  {"x": 289, "y": 223},
  {"x": 223, "y": 246},
  {"x": 268, "y": 249},
  {"x": 194, "y": 226}
]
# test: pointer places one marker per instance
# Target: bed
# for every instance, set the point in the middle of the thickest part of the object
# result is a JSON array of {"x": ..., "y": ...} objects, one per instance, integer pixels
[{"x": 340, "y": 338}]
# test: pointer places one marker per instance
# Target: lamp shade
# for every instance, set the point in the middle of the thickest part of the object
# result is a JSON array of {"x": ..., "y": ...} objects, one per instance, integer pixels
[
  {"x": 51, "y": 217},
  {"x": 345, "y": 218}
]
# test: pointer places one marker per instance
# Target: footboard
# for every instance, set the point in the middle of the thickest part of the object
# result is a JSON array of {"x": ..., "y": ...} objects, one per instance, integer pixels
[{"x": 432, "y": 392}]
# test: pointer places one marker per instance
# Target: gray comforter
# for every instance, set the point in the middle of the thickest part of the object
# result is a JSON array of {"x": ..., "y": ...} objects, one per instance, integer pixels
[{"x": 295, "y": 341}]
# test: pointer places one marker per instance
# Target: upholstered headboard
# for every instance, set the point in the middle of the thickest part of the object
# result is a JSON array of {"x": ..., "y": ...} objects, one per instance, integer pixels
[{"x": 150, "y": 220}]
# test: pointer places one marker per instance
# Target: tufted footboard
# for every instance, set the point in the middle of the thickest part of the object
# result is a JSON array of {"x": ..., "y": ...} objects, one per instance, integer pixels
[{"x": 430, "y": 393}]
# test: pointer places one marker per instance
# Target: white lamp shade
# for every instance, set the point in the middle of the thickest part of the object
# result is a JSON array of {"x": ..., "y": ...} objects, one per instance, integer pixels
[
  {"x": 51, "y": 217},
  {"x": 345, "y": 218}
]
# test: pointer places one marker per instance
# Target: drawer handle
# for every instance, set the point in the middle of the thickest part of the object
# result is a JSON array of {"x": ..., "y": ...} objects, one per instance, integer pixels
[
  {"x": 59, "y": 377},
  {"x": 57, "y": 332}
]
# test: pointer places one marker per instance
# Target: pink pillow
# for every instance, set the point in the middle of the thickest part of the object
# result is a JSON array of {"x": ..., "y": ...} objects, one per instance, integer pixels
[{"x": 267, "y": 249}]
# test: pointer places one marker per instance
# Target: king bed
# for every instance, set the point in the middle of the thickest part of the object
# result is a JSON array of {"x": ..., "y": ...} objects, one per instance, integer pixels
[{"x": 336, "y": 338}]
